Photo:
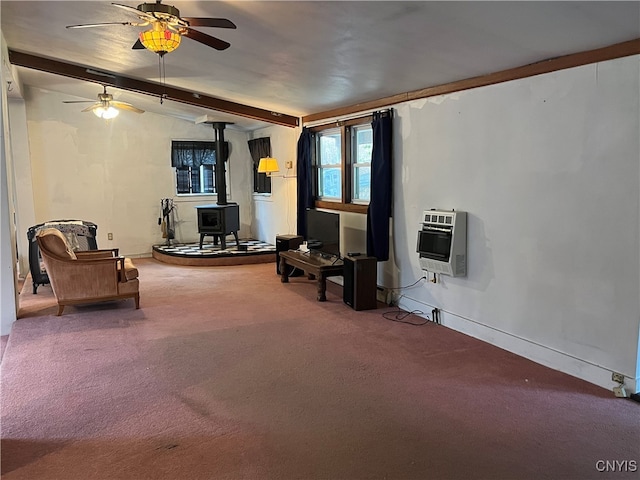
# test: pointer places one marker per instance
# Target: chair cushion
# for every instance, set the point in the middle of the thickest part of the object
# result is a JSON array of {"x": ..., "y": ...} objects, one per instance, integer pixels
[{"x": 55, "y": 242}]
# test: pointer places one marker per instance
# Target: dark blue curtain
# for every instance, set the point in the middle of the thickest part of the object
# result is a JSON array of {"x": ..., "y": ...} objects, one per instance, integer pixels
[
  {"x": 379, "y": 210},
  {"x": 305, "y": 178}
]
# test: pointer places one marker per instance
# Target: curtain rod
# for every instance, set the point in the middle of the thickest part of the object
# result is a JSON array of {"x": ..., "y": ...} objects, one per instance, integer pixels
[{"x": 344, "y": 118}]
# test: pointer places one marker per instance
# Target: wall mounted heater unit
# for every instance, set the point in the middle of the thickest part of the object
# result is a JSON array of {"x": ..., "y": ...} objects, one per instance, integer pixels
[{"x": 442, "y": 242}]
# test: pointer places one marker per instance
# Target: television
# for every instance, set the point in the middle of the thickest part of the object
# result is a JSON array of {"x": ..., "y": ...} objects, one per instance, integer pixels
[{"x": 323, "y": 232}]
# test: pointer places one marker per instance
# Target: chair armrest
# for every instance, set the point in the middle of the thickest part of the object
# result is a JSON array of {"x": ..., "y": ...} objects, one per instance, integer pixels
[
  {"x": 105, "y": 253},
  {"x": 120, "y": 267},
  {"x": 97, "y": 260}
]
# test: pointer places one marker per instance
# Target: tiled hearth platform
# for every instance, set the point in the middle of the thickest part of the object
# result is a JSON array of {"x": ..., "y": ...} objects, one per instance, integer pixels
[{"x": 212, "y": 255}]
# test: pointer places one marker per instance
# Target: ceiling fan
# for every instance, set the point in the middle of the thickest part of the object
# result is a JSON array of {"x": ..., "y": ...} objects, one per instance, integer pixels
[
  {"x": 106, "y": 107},
  {"x": 167, "y": 27}
]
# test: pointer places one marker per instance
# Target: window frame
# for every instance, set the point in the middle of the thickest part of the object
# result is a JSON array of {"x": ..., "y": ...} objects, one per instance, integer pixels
[
  {"x": 346, "y": 202},
  {"x": 319, "y": 167},
  {"x": 201, "y": 177}
]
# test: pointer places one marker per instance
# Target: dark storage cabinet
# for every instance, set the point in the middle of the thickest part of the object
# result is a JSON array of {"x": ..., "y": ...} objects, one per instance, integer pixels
[
  {"x": 283, "y": 244},
  {"x": 359, "y": 287},
  {"x": 81, "y": 236}
]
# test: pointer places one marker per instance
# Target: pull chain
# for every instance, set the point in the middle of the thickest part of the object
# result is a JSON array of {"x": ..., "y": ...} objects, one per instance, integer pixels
[{"x": 163, "y": 76}]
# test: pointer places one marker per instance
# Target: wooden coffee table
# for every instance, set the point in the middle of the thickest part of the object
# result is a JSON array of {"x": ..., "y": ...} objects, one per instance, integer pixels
[{"x": 314, "y": 265}]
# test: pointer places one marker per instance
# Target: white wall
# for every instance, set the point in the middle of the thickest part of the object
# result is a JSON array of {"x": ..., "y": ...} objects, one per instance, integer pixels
[
  {"x": 275, "y": 214},
  {"x": 115, "y": 173},
  {"x": 548, "y": 169},
  {"x": 8, "y": 299},
  {"x": 22, "y": 173},
  {"x": 8, "y": 267}
]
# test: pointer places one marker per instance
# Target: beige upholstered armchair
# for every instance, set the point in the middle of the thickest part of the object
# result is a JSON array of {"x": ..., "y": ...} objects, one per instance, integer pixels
[{"x": 86, "y": 277}]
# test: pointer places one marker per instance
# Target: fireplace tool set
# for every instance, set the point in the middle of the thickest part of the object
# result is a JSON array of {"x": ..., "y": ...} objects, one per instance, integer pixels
[{"x": 166, "y": 222}]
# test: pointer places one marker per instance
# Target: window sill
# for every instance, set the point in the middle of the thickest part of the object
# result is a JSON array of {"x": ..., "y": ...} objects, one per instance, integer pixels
[
  {"x": 195, "y": 198},
  {"x": 192, "y": 195},
  {"x": 343, "y": 207},
  {"x": 262, "y": 197}
]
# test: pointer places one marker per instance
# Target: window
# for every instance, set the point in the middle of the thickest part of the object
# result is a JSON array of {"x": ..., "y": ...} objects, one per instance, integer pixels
[
  {"x": 361, "y": 148},
  {"x": 195, "y": 179},
  {"x": 329, "y": 154},
  {"x": 342, "y": 165},
  {"x": 194, "y": 163}
]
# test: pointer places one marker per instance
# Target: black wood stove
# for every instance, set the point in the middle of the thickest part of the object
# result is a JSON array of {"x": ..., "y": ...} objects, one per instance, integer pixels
[{"x": 219, "y": 221}]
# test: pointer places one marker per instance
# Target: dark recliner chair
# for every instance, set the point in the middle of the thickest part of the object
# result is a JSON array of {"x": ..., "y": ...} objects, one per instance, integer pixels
[{"x": 80, "y": 234}]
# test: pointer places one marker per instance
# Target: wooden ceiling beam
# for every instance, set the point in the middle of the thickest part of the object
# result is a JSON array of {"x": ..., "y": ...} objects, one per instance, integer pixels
[{"x": 103, "y": 77}]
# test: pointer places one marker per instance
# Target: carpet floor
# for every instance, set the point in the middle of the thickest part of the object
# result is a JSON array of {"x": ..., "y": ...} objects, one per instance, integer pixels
[{"x": 225, "y": 373}]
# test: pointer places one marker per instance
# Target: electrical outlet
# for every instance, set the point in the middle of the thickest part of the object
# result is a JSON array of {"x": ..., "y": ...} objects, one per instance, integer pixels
[
  {"x": 620, "y": 392},
  {"x": 109, "y": 236},
  {"x": 288, "y": 164},
  {"x": 390, "y": 300},
  {"x": 617, "y": 377}
]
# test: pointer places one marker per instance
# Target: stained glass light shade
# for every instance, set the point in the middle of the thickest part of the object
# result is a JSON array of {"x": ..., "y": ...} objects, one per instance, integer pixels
[{"x": 160, "y": 39}]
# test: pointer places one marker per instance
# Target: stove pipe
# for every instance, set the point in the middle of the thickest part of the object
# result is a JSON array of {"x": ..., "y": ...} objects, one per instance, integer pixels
[{"x": 221, "y": 159}]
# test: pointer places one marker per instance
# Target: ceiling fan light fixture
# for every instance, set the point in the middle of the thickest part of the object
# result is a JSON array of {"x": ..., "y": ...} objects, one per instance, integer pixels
[
  {"x": 160, "y": 39},
  {"x": 106, "y": 113}
]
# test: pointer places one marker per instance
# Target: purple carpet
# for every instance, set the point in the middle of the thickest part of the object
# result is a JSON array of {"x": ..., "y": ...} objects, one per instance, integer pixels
[{"x": 225, "y": 373}]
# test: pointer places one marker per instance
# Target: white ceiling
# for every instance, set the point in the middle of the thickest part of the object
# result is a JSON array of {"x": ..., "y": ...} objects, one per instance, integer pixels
[{"x": 304, "y": 57}]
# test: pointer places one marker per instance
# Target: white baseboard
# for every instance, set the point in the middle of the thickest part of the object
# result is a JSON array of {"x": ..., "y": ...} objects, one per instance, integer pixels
[
  {"x": 139, "y": 255},
  {"x": 541, "y": 354}
]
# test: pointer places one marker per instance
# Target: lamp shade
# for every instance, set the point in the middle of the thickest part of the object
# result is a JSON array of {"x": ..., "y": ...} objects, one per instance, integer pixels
[
  {"x": 160, "y": 39},
  {"x": 106, "y": 113},
  {"x": 268, "y": 165}
]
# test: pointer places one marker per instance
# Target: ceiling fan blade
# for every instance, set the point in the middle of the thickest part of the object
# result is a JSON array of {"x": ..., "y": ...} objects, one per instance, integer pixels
[
  {"x": 91, "y": 25},
  {"x": 92, "y": 107},
  {"x": 134, "y": 10},
  {"x": 78, "y": 101},
  {"x": 208, "y": 40},
  {"x": 209, "y": 22},
  {"x": 126, "y": 106},
  {"x": 138, "y": 45}
]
